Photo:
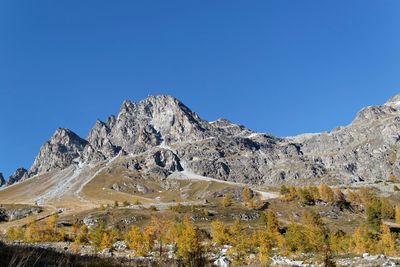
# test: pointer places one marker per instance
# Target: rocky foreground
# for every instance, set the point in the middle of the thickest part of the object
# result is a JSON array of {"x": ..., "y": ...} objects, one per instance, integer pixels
[{"x": 64, "y": 253}]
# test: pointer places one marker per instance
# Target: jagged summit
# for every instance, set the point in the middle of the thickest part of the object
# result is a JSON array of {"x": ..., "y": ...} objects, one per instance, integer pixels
[
  {"x": 2, "y": 181},
  {"x": 19, "y": 175},
  {"x": 394, "y": 101},
  {"x": 155, "y": 120},
  {"x": 59, "y": 152}
]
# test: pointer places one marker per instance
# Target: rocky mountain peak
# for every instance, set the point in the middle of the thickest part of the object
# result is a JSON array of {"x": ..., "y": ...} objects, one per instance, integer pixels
[
  {"x": 67, "y": 137},
  {"x": 394, "y": 101},
  {"x": 2, "y": 181},
  {"x": 155, "y": 120},
  {"x": 59, "y": 152},
  {"x": 19, "y": 174}
]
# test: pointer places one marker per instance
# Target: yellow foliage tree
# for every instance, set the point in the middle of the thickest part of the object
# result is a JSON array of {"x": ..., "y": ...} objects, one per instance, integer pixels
[
  {"x": 136, "y": 241},
  {"x": 15, "y": 233},
  {"x": 397, "y": 216},
  {"x": 83, "y": 235},
  {"x": 388, "y": 210},
  {"x": 387, "y": 241},
  {"x": 241, "y": 243},
  {"x": 156, "y": 231},
  {"x": 326, "y": 193},
  {"x": 362, "y": 241},
  {"x": 227, "y": 200},
  {"x": 106, "y": 241},
  {"x": 289, "y": 193},
  {"x": 265, "y": 246},
  {"x": 354, "y": 197},
  {"x": 220, "y": 234},
  {"x": 32, "y": 231},
  {"x": 51, "y": 222},
  {"x": 172, "y": 230},
  {"x": 340, "y": 242},
  {"x": 189, "y": 244},
  {"x": 247, "y": 198}
]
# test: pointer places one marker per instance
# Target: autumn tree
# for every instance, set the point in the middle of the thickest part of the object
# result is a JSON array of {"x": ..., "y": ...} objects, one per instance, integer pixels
[
  {"x": 190, "y": 249},
  {"x": 227, "y": 200},
  {"x": 387, "y": 241},
  {"x": 106, "y": 241},
  {"x": 32, "y": 231},
  {"x": 15, "y": 233},
  {"x": 363, "y": 240},
  {"x": 265, "y": 246},
  {"x": 310, "y": 235},
  {"x": 240, "y": 241},
  {"x": 220, "y": 234},
  {"x": 388, "y": 210},
  {"x": 340, "y": 242},
  {"x": 156, "y": 231},
  {"x": 289, "y": 193},
  {"x": 136, "y": 241},
  {"x": 340, "y": 199},
  {"x": 326, "y": 193},
  {"x": 96, "y": 235},
  {"x": 172, "y": 230},
  {"x": 397, "y": 216},
  {"x": 272, "y": 222},
  {"x": 374, "y": 213},
  {"x": 295, "y": 238},
  {"x": 248, "y": 197},
  {"x": 305, "y": 196},
  {"x": 270, "y": 238},
  {"x": 354, "y": 197}
]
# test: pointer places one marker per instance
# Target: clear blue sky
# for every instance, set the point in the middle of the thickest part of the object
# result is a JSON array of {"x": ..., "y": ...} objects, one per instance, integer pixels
[{"x": 278, "y": 66}]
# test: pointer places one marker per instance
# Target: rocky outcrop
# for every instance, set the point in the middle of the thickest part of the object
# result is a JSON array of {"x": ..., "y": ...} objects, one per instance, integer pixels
[
  {"x": 155, "y": 163},
  {"x": 19, "y": 174},
  {"x": 2, "y": 181},
  {"x": 160, "y": 135},
  {"x": 12, "y": 214},
  {"x": 63, "y": 149},
  {"x": 99, "y": 139},
  {"x": 155, "y": 121}
]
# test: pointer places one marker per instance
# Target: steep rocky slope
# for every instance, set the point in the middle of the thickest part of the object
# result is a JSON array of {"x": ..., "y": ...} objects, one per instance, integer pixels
[
  {"x": 2, "y": 181},
  {"x": 160, "y": 136},
  {"x": 19, "y": 175}
]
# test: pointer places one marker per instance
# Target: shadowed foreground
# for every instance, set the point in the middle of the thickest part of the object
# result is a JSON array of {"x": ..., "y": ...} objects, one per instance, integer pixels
[{"x": 19, "y": 256}]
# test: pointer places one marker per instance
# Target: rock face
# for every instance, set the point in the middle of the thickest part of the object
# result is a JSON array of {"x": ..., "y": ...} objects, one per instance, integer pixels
[
  {"x": 12, "y": 214},
  {"x": 19, "y": 174},
  {"x": 155, "y": 121},
  {"x": 2, "y": 181},
  {"x": 160, "y": 135},
  {"x": 62, "y": 150}
]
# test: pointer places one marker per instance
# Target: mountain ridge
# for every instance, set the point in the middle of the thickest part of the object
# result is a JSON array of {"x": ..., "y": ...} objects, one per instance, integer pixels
[{"x": 229, "y": 151}]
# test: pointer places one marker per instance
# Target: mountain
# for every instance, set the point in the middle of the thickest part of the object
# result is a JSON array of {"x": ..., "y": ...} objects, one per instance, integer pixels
[
  {"x": 160, "y": 137},
  {"x": 63, "y": 149},
  {"x": 19, "y": 175},
  {"x": 2, "y": 181}
]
